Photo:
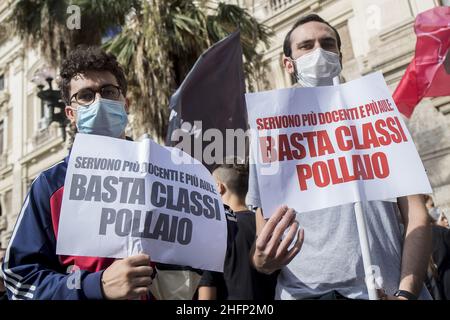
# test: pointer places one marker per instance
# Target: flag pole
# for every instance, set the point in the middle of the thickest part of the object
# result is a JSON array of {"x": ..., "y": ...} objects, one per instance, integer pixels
[
  {"x": 363, "y": 240},
  {"x": 365, "y": 250}
]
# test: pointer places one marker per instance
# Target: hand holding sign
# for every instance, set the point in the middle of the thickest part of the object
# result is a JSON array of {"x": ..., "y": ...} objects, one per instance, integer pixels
[
  {"x": 271, "y": 250},
  {"x": 129, "y": 278}
]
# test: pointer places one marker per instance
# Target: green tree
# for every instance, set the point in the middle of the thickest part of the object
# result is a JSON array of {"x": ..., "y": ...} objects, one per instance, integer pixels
[
  {"x": 158, "y": 43},
  {"x": 43, "y": 23}
]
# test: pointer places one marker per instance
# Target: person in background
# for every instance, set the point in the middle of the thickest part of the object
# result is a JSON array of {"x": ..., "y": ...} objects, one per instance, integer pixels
[
  {"x": 240, "y": 281},
  {"x": 438, "y": 274},
  {"x": 3, "y": 295}
]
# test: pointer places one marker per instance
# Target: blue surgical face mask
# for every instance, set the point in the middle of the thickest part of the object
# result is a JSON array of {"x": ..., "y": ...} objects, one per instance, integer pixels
[{"x": 104, "y": 117}]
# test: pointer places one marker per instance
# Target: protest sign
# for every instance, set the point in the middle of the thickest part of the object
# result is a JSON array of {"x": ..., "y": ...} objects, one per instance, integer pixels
[
  {"x": 326, "y": 146},
  {"x": 140, "y": 197}
]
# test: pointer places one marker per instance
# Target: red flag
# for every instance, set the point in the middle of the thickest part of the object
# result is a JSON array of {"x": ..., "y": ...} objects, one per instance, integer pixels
[{"x": 428, "y": 74}]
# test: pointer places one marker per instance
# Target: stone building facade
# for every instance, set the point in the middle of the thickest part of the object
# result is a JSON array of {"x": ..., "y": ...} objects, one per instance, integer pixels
[
  {"x": 376, "y": 35},
  {"x": 27, "y": 145}
]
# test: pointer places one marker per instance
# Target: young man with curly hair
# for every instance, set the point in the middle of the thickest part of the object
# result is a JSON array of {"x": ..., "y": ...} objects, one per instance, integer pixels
[
  {"x": 93, "y": 87},
  {"x": 330, "y": 265}
]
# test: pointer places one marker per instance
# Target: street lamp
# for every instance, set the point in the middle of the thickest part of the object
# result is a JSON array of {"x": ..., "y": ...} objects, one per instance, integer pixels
[{"x": 51, "y": 98}]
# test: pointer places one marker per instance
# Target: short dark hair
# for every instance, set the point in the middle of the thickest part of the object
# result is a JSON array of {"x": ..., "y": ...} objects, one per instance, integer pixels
[
  {"x": 234, "y": 175},
  {"x": 287, "y": 50},
  {"x": 91, "y": 58}
]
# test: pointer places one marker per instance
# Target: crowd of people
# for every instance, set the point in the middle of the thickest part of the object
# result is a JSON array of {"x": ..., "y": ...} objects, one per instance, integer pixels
[{"x": 288, "y": 256}]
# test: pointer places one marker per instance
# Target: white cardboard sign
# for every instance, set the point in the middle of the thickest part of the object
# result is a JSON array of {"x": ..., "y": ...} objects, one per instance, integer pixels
[
  {"x": 321, "y": 147},
  {"x": 123, "y": 197}
]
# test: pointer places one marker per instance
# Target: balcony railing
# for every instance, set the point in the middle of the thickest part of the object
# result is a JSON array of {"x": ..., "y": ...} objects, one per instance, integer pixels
[
  {"x": 278, "y": 5},
  {"x": 266, "y": 9}
]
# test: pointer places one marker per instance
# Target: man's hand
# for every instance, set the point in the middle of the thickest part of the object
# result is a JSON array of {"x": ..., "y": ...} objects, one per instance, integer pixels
[
  {"x": 383, "y": 296},
  {"x": 271, "y": 252},
  {"x": 129, "y": 278}
]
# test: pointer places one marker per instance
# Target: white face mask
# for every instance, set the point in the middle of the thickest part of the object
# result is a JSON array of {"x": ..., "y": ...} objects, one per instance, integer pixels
[{"x": 317, "y": 68}]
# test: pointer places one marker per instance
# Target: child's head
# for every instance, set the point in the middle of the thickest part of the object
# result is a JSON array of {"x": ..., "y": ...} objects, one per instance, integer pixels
[{"x": 232, "y": 180}]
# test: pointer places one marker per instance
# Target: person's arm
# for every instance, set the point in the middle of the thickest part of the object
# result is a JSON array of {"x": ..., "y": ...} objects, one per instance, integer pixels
[
  {"x": 444, "y": 266},
  {"x": 417, "y": 243},
  {"x": 207, "y": 293},
  {"x": 31, "y": 268},
  {"x": 271, "y": 251},
  {"x": 210, "y": 281}
]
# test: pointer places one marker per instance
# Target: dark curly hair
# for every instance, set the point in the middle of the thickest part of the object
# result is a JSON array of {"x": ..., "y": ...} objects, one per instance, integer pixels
[{"x": 84, "y": 59}]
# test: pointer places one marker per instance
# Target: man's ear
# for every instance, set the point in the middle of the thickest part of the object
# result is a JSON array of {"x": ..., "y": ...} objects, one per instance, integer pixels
[
  {"x": 288, "y": 65},
  {"x": 70, "y": 114},
  {"x": 221, "y": 188}
]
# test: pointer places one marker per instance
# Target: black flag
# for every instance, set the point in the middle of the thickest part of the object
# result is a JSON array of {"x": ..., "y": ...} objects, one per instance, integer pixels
[{"x": 212, "y": 97}]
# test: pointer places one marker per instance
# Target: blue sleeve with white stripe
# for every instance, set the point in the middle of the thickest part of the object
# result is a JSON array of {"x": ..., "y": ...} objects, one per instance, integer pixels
[{"x": 31, "y": 269}]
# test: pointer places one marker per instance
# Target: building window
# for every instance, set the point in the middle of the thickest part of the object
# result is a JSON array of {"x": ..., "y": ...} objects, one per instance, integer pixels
[
  {"x": 346, "y": 41},
  {"x": 7, "y": 202},
  {"x": 2, "y": 134},
  {"x": 43, "y": 115},
  {"x": 2, "y": 82},
  {"x": 279, "y": 4}
]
